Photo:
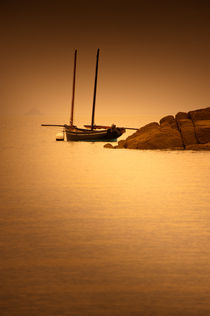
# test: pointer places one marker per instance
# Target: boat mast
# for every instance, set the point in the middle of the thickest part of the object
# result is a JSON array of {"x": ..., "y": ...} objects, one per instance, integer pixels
[
  {"x": 95, "y": 87},
  {"x": 73, "y": 88}
]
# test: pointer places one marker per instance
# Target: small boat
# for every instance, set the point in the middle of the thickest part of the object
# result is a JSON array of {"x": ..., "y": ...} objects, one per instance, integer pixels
[
  {"x": 91, "y": 132},
  {"x": 80, "y": 134}
]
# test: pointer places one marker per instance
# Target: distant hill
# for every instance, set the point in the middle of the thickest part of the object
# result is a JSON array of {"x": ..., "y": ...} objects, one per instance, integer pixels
[{"x": 33, "y": 111}]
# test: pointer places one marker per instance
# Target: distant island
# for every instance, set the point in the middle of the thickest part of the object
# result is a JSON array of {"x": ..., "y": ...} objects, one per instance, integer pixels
[
  {"x": 185, "y": 131},
  {"x": 33, "y": 111}
]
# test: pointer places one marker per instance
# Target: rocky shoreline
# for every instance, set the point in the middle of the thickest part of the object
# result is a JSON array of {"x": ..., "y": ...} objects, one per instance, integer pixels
[{"x": 185, "y": 131}]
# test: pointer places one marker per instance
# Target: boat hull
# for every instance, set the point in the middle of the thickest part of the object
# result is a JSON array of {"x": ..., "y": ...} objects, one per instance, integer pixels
[{"x": 77, "y": 134}]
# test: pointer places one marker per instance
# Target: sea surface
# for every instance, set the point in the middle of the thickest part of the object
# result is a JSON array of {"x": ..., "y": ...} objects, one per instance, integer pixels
[{"x": 91, "y": 231}]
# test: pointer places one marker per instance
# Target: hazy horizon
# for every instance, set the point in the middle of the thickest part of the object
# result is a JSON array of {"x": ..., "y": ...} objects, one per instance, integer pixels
[{"x": 154, "y": 57}]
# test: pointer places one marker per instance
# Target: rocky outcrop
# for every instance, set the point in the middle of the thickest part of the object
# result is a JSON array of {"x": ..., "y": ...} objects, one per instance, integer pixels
[
  {"x": 108, "y": 145},
  {"x": 202, "y": 131},
  {"x": 121, "y": 144},
  {"x": 168, "y": 120},
  {"x": 186, "y": 128},
  {"x": 199, "y": 147},
  {"x": 155, "y": 136},
  {"x": 184, "y": 131},
  {"x": 198, "y": 115},
  {"x": 201, "y": 121}
]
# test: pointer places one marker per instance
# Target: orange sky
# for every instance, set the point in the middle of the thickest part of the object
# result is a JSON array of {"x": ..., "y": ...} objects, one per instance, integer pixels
[{"x": 154, "y": 56}]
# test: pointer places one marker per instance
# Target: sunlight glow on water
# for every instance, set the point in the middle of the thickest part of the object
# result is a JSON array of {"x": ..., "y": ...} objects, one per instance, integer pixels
[{"x": 92, "y": 231}]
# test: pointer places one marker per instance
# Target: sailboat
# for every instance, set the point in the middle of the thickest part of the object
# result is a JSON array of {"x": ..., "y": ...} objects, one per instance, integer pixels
[{"x": 90, "y": 132}]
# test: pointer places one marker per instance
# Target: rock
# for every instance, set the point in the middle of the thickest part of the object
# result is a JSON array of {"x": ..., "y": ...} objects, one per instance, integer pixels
[
  {"x": 155, "y": 136},
  {"x": 145, "y": 128},
  {"x": 187, "y": 130},
  {"x": 181, "y": 116},
  {"x": 170, "y": 120},
  {"x": 132, "y": 140},
  {"x": 202, "y": 131},
  {"x": 108, "y": 146},
  {"x": 121, "y": 144},
  {"x": 199, "y": 146},
  {"x": 202, "y": 114}
]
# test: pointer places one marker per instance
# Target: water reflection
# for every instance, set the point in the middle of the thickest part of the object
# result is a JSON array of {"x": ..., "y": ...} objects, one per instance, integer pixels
[{"x": 93, "y": 231}]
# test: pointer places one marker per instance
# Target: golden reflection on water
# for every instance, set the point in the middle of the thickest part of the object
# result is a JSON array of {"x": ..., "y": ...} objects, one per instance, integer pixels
[{"x": 91, "y": 231}]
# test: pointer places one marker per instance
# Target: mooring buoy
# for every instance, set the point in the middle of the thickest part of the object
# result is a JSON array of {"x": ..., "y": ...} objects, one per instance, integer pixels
[{"x": 60, "y": 136}]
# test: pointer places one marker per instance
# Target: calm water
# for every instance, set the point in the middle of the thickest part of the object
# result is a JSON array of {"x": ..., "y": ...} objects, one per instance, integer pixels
[{"x": 92, "y": 231}]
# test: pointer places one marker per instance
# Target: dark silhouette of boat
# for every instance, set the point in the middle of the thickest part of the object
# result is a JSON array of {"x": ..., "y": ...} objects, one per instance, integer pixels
[
  {"x": 108, "y": 134},
  {"x": 91, "y": 132}
]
